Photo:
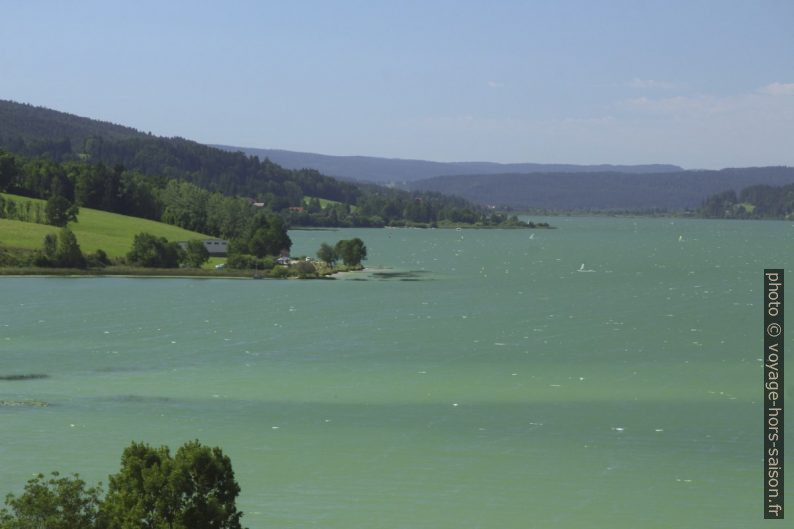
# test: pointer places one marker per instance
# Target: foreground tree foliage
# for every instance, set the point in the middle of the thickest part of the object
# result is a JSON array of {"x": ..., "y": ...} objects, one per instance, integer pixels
[
  {"x": 54, "y": 503},
  {"x": 195, "y": 489}
]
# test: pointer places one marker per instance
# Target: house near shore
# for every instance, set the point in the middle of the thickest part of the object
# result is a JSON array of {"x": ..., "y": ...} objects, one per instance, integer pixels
[{"x": 216, "y": 247}]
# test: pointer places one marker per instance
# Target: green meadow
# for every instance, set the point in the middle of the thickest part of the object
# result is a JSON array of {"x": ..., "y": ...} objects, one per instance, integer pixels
[
  {"x": 94, "y": 229},
  {"x": 324, "y": 202}
]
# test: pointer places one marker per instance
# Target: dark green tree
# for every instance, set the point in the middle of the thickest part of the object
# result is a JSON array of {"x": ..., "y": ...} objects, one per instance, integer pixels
[
  {"x": 195, "y": 489},
  {"x": 54, "y": 503},
  {"x": 203, "y": 480},
  {"x": 68, "y": 254},
  {"x": 196, "y": 254},
  {"x": 259, "y": 244},
  {"x": 154, "y": 252},
  {"x": 327, "y": 253},
  {"x": 266, "y": 235},
  {"x": 278, "y": 240},
  {"x": 8, "y": 171},
  {"x": 60, "y": 211},
  {"x": 50, "y": 246},
  {"x": 140, "y": 495},
  {"x": 352, "y": 251}
]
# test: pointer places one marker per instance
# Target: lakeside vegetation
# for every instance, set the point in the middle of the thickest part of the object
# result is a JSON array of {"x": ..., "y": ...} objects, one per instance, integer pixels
[
  {"x": 753, "y": 202},
  {"x": 152, "y": 256},
  {"x": 125, "y": 199},
  {"x": 29, "y": 248}
]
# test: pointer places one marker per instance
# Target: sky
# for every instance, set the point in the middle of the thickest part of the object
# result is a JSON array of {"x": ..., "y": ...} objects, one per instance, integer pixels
[{"x": 701, "y": 84}]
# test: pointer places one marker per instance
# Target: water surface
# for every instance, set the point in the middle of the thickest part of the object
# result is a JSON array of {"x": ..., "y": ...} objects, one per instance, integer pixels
[{"x": 467, "y": 379}]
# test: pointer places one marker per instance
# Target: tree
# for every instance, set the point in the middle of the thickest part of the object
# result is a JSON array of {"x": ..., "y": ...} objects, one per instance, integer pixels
[
  {"x": 277, "y": 238},
  {"x": 267, "y": 235},
  {"x": 259, "y": 243},
  {"x": 352, "y": 251},
  {"x": 154, "y": 252},
  {"x": 196, "y": 254},
  {"x": 60, "y": 211},
  {"x": 56, "y": 503},
  {"x": 50, "y": 246},
  {"x": 204, "y": 481},
  {"x": 139, "y": 495},
  {"x": 195, "y": 489},
  {"x": 68, "y": 254},
  {"x": 8, "y": 171},
  {"x": 327, "y": 253}
]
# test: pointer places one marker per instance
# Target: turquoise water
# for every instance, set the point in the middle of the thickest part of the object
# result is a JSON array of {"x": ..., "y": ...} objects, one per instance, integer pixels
[{"x": 468, "y": 379}]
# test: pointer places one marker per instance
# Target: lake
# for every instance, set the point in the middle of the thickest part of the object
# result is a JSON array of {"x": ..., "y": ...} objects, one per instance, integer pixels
[{"x": 467, "y": 379}]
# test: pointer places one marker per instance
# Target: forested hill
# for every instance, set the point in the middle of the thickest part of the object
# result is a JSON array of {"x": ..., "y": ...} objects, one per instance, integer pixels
[
  {"x": 106, "y": 166},
  {"x": 754, "y": 202},
  {"x": 604, "y": 191},
  {"x": 396, "y": 170},
  {"x": 36, "y": 131},
  {"x": 38, "y": 126}
]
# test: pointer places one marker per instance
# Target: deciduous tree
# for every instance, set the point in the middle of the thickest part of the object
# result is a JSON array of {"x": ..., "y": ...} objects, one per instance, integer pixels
[
  {"x": 352, "y": 251},
  {"x": 196, "y": 254},
  {"x": 60, "y": 211},
  {"x": 195, "y": 489},
  {"x": 154, "y": 252},
  {"x": 68, "y": 254},
  {"x": 327, "y": 253},
  {"x": 54, "y": 503}
]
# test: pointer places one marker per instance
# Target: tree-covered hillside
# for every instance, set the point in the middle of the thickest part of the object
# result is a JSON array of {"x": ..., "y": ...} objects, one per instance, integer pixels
[
  {"x": 754, "y": 202},
  {"x": 28, "y": 129},
  {"x": 182, "y": 182},
  {"x": 603, "y": 191}
]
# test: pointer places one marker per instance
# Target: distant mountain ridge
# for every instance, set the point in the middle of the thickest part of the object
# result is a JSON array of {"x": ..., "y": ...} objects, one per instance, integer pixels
[
  {"x": 36, "y": 131},
  {"x": 399, "y": 170},
  {"x": 603, "y": 191}
]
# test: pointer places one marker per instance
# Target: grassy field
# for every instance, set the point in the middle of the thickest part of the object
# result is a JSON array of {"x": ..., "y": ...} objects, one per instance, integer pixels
[
  {"x": 94, "y": 229},
  {"x": 323, "y": 202}
]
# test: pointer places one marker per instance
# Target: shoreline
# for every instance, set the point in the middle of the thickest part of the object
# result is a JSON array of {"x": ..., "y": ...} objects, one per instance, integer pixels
[{"x": 163, "y": 273}]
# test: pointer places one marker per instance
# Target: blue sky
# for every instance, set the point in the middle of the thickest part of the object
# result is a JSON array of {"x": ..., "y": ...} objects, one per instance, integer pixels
[{"x": 702, "y": 84}]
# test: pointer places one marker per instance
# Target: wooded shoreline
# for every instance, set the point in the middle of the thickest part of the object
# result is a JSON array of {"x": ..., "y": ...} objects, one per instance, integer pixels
[{"x": 184, "y": 273}]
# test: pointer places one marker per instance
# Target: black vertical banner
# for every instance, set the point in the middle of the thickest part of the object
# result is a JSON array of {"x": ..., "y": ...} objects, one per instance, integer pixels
[{"x": 773, "y": 394}]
